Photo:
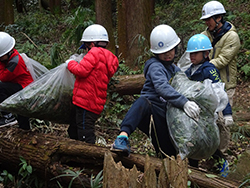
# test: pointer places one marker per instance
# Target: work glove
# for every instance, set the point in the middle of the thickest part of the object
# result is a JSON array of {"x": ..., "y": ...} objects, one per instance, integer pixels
[
  {"x": 67, "y": 62},
  {"x": 228, "y": 120},
  {"x": 192, "y": 109}
]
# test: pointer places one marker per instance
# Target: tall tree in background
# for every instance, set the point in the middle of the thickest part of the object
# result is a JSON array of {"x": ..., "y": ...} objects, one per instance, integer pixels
[
  {"x": 103, "y": 9},
  {"x": 6, "y": 12},
  {"x": 134, "y": 22},
  {"x": 55, "y": 6}
]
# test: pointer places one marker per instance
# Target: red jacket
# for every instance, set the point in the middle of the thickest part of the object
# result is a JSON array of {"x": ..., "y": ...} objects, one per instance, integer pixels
[
  {"x": 93, "y": 74},
  {"x": 15, "y": 71}
]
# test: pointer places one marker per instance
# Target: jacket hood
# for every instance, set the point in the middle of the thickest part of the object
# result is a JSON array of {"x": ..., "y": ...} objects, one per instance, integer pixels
[{"x": 157, "y": 60}]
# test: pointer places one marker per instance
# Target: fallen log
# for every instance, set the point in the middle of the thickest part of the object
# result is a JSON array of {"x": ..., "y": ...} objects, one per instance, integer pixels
[
  {"x": 128, "y": 84},
  {"x": 43, "y": 151}
]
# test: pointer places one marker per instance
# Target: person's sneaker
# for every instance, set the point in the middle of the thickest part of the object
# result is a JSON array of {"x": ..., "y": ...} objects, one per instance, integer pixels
[
  {"x": 224, "y": 169},
  {"x": 8, "y": 121},
  {"x": 121, "y": 146}
]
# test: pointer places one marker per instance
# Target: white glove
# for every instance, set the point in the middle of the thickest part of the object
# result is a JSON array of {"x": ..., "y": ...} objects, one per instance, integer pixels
[
  {"x": 228, "y": 119},
  {"x": 192, "y": 109},
  {"x": 67, "y": 62}
]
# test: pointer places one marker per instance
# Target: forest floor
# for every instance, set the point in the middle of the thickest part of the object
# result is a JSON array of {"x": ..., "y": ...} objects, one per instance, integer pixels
[{"x": 140, "y": 143}]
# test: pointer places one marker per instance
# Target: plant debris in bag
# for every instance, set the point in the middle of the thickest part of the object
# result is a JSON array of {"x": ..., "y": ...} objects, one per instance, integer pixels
[
  {"x": 48, "y": 98},
  {"x": 194, "y": 139}
]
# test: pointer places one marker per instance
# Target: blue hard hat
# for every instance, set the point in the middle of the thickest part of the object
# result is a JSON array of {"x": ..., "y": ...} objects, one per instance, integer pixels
[{"x": 199, "y": 42}]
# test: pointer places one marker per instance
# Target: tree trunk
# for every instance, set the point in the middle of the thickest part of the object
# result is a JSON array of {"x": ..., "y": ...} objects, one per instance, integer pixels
[
  {"x": 134, "y": 27},
  {"x": 104, "y": 16},
  {"x": 55, "y": 6},
  {"x": 6, "y": 12},
  {"x": 45, "y": 152}
]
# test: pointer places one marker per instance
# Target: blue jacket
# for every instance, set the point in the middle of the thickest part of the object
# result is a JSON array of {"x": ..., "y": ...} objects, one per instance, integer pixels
[
  {"x": 157, "y": 87},
  {"x": 207, "y": 71}
]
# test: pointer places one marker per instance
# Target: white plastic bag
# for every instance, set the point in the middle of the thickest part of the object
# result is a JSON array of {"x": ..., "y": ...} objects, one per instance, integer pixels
[
  {"x": 77, "y": 57},
  {"x": 184, "y": 63},
  {"x": 48, "y": 98},
  {"x": 195, "y": 139},
  {"x": 35, "y": 68}
]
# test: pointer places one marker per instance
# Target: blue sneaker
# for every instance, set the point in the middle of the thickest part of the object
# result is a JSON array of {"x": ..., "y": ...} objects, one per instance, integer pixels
[
  {"x": 121, "y": 146},
  {"x": 225, "y": 169}
]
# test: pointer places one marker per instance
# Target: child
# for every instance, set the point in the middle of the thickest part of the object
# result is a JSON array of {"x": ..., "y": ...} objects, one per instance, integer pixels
[
  {"x": 93, "y": 74},
  {"x": 156, "y": 93},
  {"x": 199, "y": 47},
  {"x": 14, "y": 76}
]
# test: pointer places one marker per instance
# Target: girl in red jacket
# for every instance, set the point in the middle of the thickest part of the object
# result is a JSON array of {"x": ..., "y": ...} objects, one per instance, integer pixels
[
  {"x": 14, "y": 76},
  {"x": 93, "y": 74}
]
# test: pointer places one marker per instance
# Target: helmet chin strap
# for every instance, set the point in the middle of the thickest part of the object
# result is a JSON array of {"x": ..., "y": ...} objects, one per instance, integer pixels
[
  {"x": 204, "y": 57},
  {"x": 216, "y": 26}
]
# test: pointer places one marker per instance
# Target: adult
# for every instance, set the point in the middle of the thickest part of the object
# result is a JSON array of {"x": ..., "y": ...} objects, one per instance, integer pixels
[{"x": 226, "y": 44}]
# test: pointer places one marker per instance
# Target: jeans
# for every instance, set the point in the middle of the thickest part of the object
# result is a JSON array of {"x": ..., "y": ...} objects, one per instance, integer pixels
[{"x": 139, "y": 115}]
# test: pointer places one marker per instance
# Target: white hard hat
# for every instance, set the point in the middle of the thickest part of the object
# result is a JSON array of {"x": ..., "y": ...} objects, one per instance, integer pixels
[
  {"x": 94, "y": 33},
  {"x": 163, "y": 38},
  {"x": 7, "y": 43},
  {"x": 212, "y": 8}
]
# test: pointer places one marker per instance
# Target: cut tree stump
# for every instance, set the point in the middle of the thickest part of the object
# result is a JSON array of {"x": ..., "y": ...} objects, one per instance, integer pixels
[
  {"x": 50, "y": 154},
  {"x": 173, "y": 173}
]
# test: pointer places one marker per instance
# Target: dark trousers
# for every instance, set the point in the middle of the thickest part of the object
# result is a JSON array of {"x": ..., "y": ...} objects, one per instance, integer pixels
[
  {"x": 139, "y": 115},
  {"x": 82, "y": 126},
  {"x": 6, "y": 90}
]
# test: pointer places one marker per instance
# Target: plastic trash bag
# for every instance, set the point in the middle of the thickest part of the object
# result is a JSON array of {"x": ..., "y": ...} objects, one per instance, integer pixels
[
  {"x": 184, "y": 62},
  {"x": 195, "y": 139},
  {"x": 35, "y": 68},
  {"x": 77, "y": 57},
  {"x": 48, "y": 98}
]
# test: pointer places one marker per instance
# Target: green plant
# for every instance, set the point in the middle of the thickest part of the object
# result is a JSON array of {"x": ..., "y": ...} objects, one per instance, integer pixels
[
  {"x": 73, "y": 174},
  {"x": 95, "y": 182},
  {"x": 24, "y": 178},
  {"x": 77, "y": 22},
  {"x": 246, "y": 181},
  {"x": 55, "y": 55},
  {"x": 6, "y": 177},
  {"x": 239, "y": 134}
]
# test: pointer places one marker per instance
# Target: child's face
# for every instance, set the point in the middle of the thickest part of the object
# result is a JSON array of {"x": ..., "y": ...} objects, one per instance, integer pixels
[
  {"x": 196, "y": 57},
  {"x": 4, "y": 58},
  {"x": 167, "y": 56}
]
